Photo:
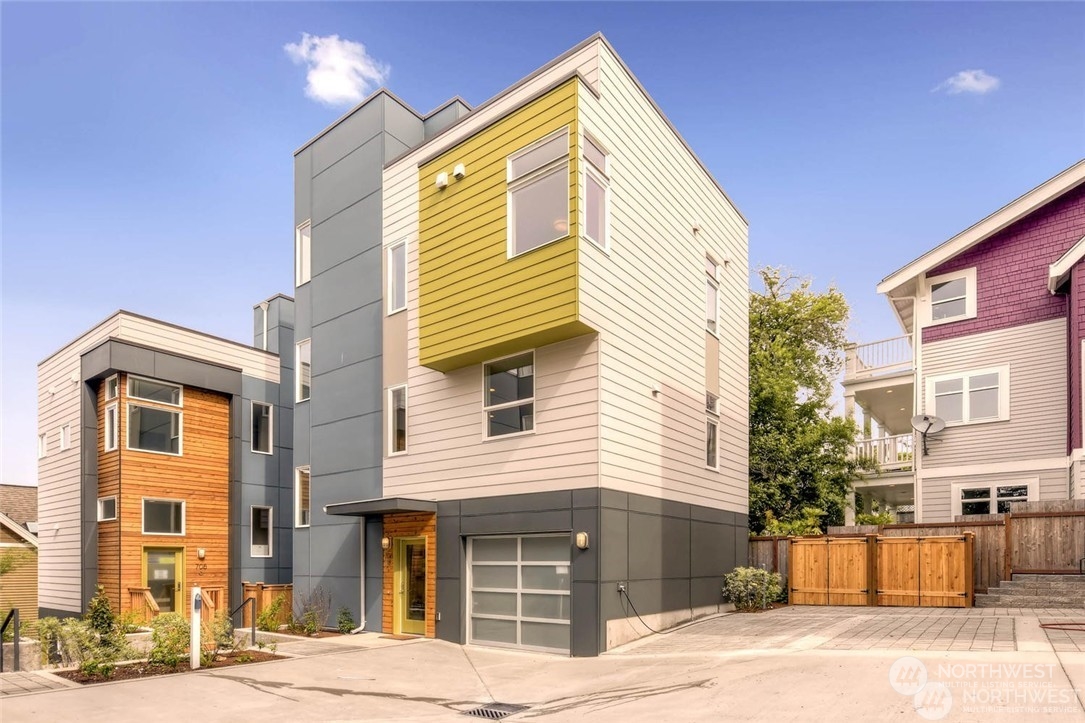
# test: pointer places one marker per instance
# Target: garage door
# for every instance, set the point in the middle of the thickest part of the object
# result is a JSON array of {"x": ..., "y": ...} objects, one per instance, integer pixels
[{"x": 518, "y": 591}]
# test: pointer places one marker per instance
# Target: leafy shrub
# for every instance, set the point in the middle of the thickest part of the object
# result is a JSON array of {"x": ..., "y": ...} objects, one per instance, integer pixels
[
  {"x": 346, "y": 621},
  {"x": 169, "y": 639},
  {"x": 130, "y": 622},
  {"x": 10, "y": 631},
  {"x": 268, "y": 619},
  {"x": 244, "y": 658},
  {"x": 311, "y": 611},
  {"x": 76, "y": 642},
  {"x": 874, "y": 518},
  {"x": 807, "y": 523},
  {"x": 751, "y": 588}
]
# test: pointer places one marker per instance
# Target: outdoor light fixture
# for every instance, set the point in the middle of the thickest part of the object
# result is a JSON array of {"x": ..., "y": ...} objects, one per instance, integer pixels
[
  {"x": 442, "y": 179},
  {"x": 201, "y": 553},
  {"x": 582, "y": 540},
  {"x": 385, "y": 543},
  {"x": 459, "y": 171}
]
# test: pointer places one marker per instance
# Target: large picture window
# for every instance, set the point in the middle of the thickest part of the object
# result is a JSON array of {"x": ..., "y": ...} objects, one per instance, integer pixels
[
  {"x": 509, "y": 395},
  {"x": 163, "y": 517},
  {"x": 538, "y": 183},
  {"x": 980, "y": 396},
  {"x": 151, "y": 429},
  {"x": 990, "y": 499},
  {"x": 301, "y": 497}
]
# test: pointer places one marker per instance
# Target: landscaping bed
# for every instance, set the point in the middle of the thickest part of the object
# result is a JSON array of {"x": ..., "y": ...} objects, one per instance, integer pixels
[{"x": 144, "y": 669}]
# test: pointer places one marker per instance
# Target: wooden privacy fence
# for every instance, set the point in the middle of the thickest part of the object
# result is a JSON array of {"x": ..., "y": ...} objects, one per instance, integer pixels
[
  {"x": 1045, "y": 538},
  {"x": 881, "y": 571},
  {"x": 265, "y": 595}
]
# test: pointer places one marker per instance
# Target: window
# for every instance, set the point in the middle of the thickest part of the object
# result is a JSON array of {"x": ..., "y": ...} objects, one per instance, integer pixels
[
  {"x": 260, "y": 537},
  {"x": 304, "y": 381},
  {"x": 151, "y": 429},
  {"x": 952, "y": 296},
  {"x": 712, "y": 296},
  {"x": 301, "y": 497},
  {"x": 538, "y": 196},
  {"x": 509, "y": 395},
  {"x": 302, "y": 248},
  {"x": 980, "y": 396},
  {"x": 111, "y": 385},
  {"x": 43, "y": 448},
  {"x": 397, "y": 420},
  {"x": 107, "y": 508},
  {"x": 596, "y": 192},
  {"x": 154, "y": 391},
  {"x": 987, "y": 499},
  {"x": 163, "y": 517},
  {"x": 261, "y": 428},
  {"x": 397, "y": 277},
  {"x": 65, "y": 437},
  {"x": 711, "y": 444},
  {"x": 711, "y": 403},
  {"x": 110, "y": 428}
]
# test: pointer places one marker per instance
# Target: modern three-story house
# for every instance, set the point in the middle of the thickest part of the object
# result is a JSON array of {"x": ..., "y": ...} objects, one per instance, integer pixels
[{"x": 993, "y": 324}]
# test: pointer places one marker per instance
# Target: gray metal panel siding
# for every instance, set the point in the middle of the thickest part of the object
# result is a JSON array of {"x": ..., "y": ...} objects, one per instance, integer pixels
[
  {"x": 349, "y": 180},
  {"x": 401, "y": 125},
  {"x": 444, "y": 118}
]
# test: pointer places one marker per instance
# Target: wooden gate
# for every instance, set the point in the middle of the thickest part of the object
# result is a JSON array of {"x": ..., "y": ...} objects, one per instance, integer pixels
[{"x": 886, "y": 571}]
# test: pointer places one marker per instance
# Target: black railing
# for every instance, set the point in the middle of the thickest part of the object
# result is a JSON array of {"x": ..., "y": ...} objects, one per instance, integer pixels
[
  {"x": 245, "y": 602},
  {"x": 12, "y": 618}
]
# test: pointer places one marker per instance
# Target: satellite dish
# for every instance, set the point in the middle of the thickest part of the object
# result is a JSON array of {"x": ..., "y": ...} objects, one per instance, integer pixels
[{"x": 927, "y": 424}]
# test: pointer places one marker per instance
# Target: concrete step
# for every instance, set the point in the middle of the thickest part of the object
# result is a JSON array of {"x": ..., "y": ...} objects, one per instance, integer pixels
[
  {"x": 1080, "y": 579},
  {"x": 1037, "y": 585},
  {"x": 995, "y": 600}
]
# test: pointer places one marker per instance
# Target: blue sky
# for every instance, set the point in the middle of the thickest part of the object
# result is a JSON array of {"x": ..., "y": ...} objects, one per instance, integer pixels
[{"x": 147, "y": 148}]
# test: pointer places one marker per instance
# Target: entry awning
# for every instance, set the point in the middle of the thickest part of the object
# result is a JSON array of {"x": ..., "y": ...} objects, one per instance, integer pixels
[{"x": 380, "y": 506}]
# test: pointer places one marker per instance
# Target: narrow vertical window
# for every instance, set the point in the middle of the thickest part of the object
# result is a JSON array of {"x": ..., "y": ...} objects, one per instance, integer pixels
[
  {"x": 304, "y": 373},
  {"x": 111, "y": 385},
  {"x": 712, "y": 296},
  {"x": 711, "y": 444},
  {"x": 397, "y": 277},
  {"x": 397, "y": 420},
  {"x": 260, "y": 532},
  {"x": 42, "y": 447},
  {"x": 596, "y": 192},
  {"x": 65, "y": 437},
  {"x": 302, "y": 256},
  {"x": 301, "y": 497},
  {"x": 261, "y": 428},
  {"x": 111, "y": 435}
]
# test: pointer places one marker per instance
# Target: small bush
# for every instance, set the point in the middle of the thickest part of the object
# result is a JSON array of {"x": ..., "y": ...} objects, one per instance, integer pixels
[
  {"x": 268, "y": 619},
  {"x": 808, "y": 522},
  {"x": 169, "y": 639},
  {"x": 10, "y": 632},
  {"x": 311, "y": 611},
  {"x": 346, "y": 621},
  {"x": 751, "y": 588},
  {"x": 874, "y": 518},
  {"x": 76, "y": 642}
]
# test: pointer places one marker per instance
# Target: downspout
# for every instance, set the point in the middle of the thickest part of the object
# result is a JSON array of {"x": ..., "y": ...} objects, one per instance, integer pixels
[{"x": 360, "y": 628}]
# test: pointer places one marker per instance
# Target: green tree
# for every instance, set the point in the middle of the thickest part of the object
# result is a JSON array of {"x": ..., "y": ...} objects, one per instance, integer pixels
[{"x": 798, "y": 449}]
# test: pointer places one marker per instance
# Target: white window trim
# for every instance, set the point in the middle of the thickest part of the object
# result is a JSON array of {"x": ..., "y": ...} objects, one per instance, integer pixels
[
  {"x": 602, "y": 176},
  {"x": 391, "y": 280},
  {"x": 270, "y": 425},
  {"x": 519, "y": 402},
  {"x": 111, "y": 436},
  {"x": 969, "y": 275},
  {"x": 1033, "y": 484},
  {"x": 270, "y": 531},
  {"x": 390, "y": 447},
  {"x": 116, "y": 509},
  {"x": 43, "y": 445},
  {"x": 714, "y": 422},
  {"x": 1003, "y": 394},
  {"x": 298, "y": 281},
  {"x": 180, "y": 391},
  {"x": 113, "y": 378},
  {"x": 180, "y": 429},
  {"x": 297, "y": 370},
  {"x": 65, "y": 437},
  {"x": 297, "y": 496},
  {"x": 715, "y": 280},
  {"x": 526, "y": 180},
  {"x": 143, "y": 515}
]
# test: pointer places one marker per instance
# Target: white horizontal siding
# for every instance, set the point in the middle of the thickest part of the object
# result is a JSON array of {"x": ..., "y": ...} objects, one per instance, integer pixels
[
  {"x": 937, "y": 491},
  {"x": 253, "y": 362},
  {"x": 1037, "y": 427},
  {"x": 647, "y": 298}
]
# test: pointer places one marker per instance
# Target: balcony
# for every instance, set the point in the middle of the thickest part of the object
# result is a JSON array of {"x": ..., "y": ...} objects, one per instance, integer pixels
[
  {"x": 878, "y": 358},
  {"x": 886, "y": 454}
]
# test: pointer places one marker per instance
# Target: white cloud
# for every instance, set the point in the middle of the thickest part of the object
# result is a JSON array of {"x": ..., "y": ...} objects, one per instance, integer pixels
[
  {"x": 977, "y": 82},
  {"x": 341, "y": 72}
]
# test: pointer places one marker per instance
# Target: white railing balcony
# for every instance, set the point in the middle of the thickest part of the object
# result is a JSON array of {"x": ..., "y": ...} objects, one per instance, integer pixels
[
  {"x": 885, "y": 454},
  {"x": 878, "y": 357}
]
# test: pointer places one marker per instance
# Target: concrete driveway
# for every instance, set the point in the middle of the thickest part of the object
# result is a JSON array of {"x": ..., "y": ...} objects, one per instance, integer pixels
[{"x": 791, "y": 664}]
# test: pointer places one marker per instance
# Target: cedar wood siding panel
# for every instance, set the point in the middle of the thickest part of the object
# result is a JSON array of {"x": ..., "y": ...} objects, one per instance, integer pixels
[
  {"x": 20, "y": 588},
  {"x": 59, "y": 473},
  {"x": 655, "y": 446},
  {"x": 474, "y": 300},
  {"x": 938, "y": 506},
  {"x": 1036, "y": 429}
]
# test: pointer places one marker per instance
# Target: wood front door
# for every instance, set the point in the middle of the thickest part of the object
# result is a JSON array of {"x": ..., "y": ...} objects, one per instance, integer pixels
[
  {"x": 409, "y": 594},
  {"x": 164, "y": 574}
]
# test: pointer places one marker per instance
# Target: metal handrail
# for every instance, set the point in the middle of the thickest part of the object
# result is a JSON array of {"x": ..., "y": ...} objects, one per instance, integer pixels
[
  {"x": 245, "y": 602},
  {"x": 13, "y": 613}
]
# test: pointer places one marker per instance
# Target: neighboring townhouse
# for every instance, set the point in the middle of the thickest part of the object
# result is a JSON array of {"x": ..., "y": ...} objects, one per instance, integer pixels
[
  {"x": 162, "y": 465},
  {"x": 994, "y": 323},
  {"x": 19, "y": 545},
  {"x": 521, "y": 407}
]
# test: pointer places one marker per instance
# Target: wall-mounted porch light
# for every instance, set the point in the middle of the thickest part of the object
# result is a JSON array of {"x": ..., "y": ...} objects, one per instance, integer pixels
[{"x": 386, "y": 543}]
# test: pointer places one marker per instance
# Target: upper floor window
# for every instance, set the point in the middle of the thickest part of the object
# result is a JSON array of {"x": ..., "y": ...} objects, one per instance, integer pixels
[
  {"x": 42, "y": 446},
  {"x": 596, "y": 193},
  {"x": 163, "y": 517},
  {"x": 712, "y": 430},
  {"x": 301, "y": 497},
  {"x": 154, "y": 391},
  {"x": 151, "y": 429},
  {"x": 304, "y": 375},
  {"x": 538, "y": 192},
  {"x": 107, "y": 508},
  {"x": 110, "y": 430},
  {"x": 111, "y": 385},
  {"x": 509, "y": 395},
  {"x": 260, "y": 532},
  {"x": 712, "y": 295},
  {"x": 397, "y": 420},
  {"x": 261, "y": 427},
  {"x": 302, "y": 257},
  {"x": 65, "y": 437},
  {"x": 952, "y": 296},
  {"x": 980, "y": 396},
  {"x": 397, "y": 277}
]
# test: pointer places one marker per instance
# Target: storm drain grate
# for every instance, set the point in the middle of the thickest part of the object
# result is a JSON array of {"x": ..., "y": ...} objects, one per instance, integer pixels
[{"x": 495, "y": 711}]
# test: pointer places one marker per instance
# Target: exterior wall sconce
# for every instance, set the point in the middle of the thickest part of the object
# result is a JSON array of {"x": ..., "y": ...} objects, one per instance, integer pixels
[
  {"x": 582, "y": 540},
  {"x": 201, "y": 553},
  {"x": 386, "y": 543},
  {"x": 442, "y": 179}
]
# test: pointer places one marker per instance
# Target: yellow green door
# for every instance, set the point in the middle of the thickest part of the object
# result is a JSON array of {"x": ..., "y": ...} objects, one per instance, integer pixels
[
  {"x": 409, "y": 596},
  {"x": 163, "y": 573}
]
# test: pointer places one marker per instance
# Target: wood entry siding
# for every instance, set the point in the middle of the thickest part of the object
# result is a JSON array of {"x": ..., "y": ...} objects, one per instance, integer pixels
[
  {"x": 199, "y": 477},
  {"x": 412, "y": 524}
]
